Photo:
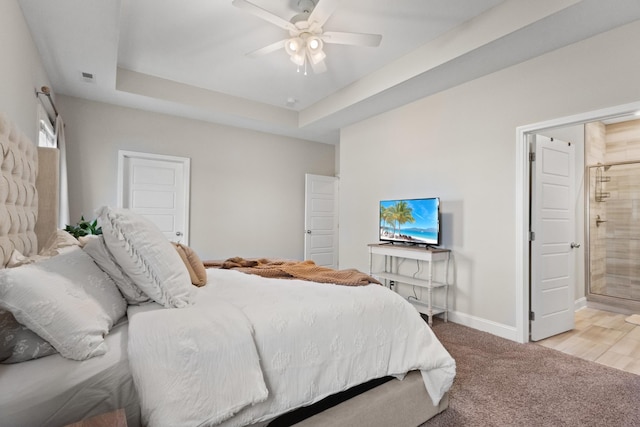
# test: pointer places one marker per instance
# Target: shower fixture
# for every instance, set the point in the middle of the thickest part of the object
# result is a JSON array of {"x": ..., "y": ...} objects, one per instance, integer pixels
[{"x": 600, "y": 194}]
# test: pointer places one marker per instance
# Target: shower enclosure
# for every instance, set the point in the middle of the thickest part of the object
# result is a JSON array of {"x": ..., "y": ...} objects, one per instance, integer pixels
[{"x": 613, "y": 232}]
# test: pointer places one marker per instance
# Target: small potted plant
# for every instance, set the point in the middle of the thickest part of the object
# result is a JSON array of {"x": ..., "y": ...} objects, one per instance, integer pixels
[{"x": 84, "y": 228}]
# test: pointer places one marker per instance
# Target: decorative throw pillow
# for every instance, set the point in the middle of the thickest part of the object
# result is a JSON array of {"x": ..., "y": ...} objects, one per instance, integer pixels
[
  {"x": 194, "y": 265},
  {"x": 58, "y": 242},
  {"x": 97, "y": 249},
  {"x": 18, "y": 343},
  {"x": 59, "y": 239},
  {"x": 67, "y": 300},
  {"x": 16, "y": 259},
  {"x": 146, "y": 256}
]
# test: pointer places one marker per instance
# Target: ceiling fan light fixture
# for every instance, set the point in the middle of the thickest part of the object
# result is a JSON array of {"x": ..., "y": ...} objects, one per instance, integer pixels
[
  {"x": 306, "y": 40},
  {"x": 315, "y": 44},
  {"x": 317, "y": 57},
  {"x": 294, "y": 45},
  {"x": 298, "y": 58}
]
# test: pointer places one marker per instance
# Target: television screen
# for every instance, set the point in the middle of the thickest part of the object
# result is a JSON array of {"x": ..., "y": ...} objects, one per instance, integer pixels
[{"x": 410, "y": 221}]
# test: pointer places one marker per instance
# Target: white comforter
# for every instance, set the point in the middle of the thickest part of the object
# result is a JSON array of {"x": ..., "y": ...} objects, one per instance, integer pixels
[{"x": 256, "y": 348}]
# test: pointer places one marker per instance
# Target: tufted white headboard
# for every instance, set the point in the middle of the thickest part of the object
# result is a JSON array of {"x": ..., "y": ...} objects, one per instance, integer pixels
[{"x": 18, "y": 194}]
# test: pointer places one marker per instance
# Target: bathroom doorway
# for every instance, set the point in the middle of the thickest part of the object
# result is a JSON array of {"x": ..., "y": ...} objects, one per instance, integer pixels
[
  {"x": 620, "y": 113},
  {"x": 613, "y": 232}
]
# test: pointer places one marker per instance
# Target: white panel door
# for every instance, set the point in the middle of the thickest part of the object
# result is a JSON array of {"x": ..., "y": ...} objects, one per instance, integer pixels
[
  {"x": 156, "y": 187},
  {"x": 321, "y": 220},
  {"x": 552, "y": 254}
]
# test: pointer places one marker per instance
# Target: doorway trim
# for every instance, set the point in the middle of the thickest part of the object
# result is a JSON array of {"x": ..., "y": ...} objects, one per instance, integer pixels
[{"x": 522, "y": 198}]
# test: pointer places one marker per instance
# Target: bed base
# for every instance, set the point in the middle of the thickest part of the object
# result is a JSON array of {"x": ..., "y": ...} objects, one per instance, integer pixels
[{"x": 394, "y": 403}]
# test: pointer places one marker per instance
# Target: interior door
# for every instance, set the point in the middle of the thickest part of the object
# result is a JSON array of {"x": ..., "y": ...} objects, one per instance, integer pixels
[
  {"x": 321, "y": 220},
  {"x": 552, "y": 240},
  {"x": 156, "y": 187}
]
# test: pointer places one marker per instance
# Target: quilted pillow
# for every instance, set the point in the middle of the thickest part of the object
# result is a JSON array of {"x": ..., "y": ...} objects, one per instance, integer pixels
[
  {"x": 146, "y": 256},
  {"x": 67, "y": 300},
  {"x": 195, "y": 267},
  {"x": 97, "y": 249}
]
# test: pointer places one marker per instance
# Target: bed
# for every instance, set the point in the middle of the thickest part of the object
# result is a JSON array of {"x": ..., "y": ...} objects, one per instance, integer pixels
[{"x": 241, "y": 350}]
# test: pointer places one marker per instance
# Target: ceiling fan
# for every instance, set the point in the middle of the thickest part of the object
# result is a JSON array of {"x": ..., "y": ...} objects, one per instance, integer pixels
[{"x": 306, "y": 36}]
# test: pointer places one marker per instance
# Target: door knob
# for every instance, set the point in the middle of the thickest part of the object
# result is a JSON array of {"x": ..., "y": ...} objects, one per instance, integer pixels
[
  {"x": 575, "y": 245},
  {"x": 308, "y": 231},
  {"x": 178, "y": 233}
]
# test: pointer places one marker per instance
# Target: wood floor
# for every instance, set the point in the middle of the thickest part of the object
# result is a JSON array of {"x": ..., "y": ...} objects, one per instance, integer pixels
[{"x": 602, "y": 337}]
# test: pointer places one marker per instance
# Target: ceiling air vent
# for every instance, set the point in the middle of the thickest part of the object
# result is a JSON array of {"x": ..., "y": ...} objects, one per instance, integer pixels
[{"x": 87, "y": 77}]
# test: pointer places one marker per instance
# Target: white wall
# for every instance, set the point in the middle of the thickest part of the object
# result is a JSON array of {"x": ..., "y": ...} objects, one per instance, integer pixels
[
  {"x": 247, "y": 187},
  {"x": 21, "y": 71},
  {"x": 460, "y": 144}
]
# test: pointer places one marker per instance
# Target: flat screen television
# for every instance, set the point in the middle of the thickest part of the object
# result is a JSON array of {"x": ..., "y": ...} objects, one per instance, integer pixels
[{"x": 414, "y": 221}]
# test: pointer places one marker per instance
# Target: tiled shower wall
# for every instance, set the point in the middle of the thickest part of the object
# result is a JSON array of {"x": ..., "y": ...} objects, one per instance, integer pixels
[
  {"x": 622, "y": 142},
  {"x": 615, "y": 244}
]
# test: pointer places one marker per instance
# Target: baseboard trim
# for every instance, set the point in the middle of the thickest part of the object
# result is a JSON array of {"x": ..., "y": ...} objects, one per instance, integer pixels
[
  {"x": 495, "y": 328},
  {"x": 484, "y": 325}
]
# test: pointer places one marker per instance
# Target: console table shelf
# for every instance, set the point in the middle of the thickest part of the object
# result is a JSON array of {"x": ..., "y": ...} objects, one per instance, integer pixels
[{"x": 391, "y": 275}]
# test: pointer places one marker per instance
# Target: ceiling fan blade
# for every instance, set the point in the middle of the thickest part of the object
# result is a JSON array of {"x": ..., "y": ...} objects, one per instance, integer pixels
[
  {"x": 322, "y": 11},
  {"x": 267, "y": 49},
  {"x": 318, "y": 68},
  {"x": 263, "y": 14},
  {"x": 356, "y": 39}
]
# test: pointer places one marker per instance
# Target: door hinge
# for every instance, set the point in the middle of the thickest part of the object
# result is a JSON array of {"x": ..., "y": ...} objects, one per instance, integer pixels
[
  {"x": 532, "y": 236},
  {"x": 532, "y": 157},
  {"x": 532, "y": 316}
]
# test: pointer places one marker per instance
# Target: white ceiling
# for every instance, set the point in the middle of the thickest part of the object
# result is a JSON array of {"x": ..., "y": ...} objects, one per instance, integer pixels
[{"x": 188, "y": 58}]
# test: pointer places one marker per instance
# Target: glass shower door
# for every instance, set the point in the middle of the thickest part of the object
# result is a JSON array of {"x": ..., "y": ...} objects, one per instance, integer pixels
[{"x": 614, "y": 234}]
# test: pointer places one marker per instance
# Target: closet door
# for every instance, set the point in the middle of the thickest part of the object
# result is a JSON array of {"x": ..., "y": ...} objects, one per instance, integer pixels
[
  {"x": 156, "y": 187},
  {"x": 321, "y": 220}
]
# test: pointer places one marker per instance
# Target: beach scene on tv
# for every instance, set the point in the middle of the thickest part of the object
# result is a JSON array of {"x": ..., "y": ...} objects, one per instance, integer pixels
[{"x": 411, "y": 221}]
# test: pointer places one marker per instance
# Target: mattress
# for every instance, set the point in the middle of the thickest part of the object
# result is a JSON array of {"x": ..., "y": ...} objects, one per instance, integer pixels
[{"x": 54, "y": 391}]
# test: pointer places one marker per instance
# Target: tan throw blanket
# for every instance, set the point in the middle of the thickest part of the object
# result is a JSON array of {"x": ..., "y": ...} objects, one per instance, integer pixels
[{"x": 303, "y": 270}]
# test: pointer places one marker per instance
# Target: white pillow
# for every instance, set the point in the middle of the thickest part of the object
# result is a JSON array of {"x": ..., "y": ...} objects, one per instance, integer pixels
[
  {"x": 146, "y": 256},
  {"x": 67, "y": 300},
  {"x": 97, "y": 249}
]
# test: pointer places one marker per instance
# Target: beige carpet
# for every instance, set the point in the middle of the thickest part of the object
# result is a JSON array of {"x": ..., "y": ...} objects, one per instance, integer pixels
[
  {"x": 503, "y": 383},
  {"x": 634, "y": 319}
]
